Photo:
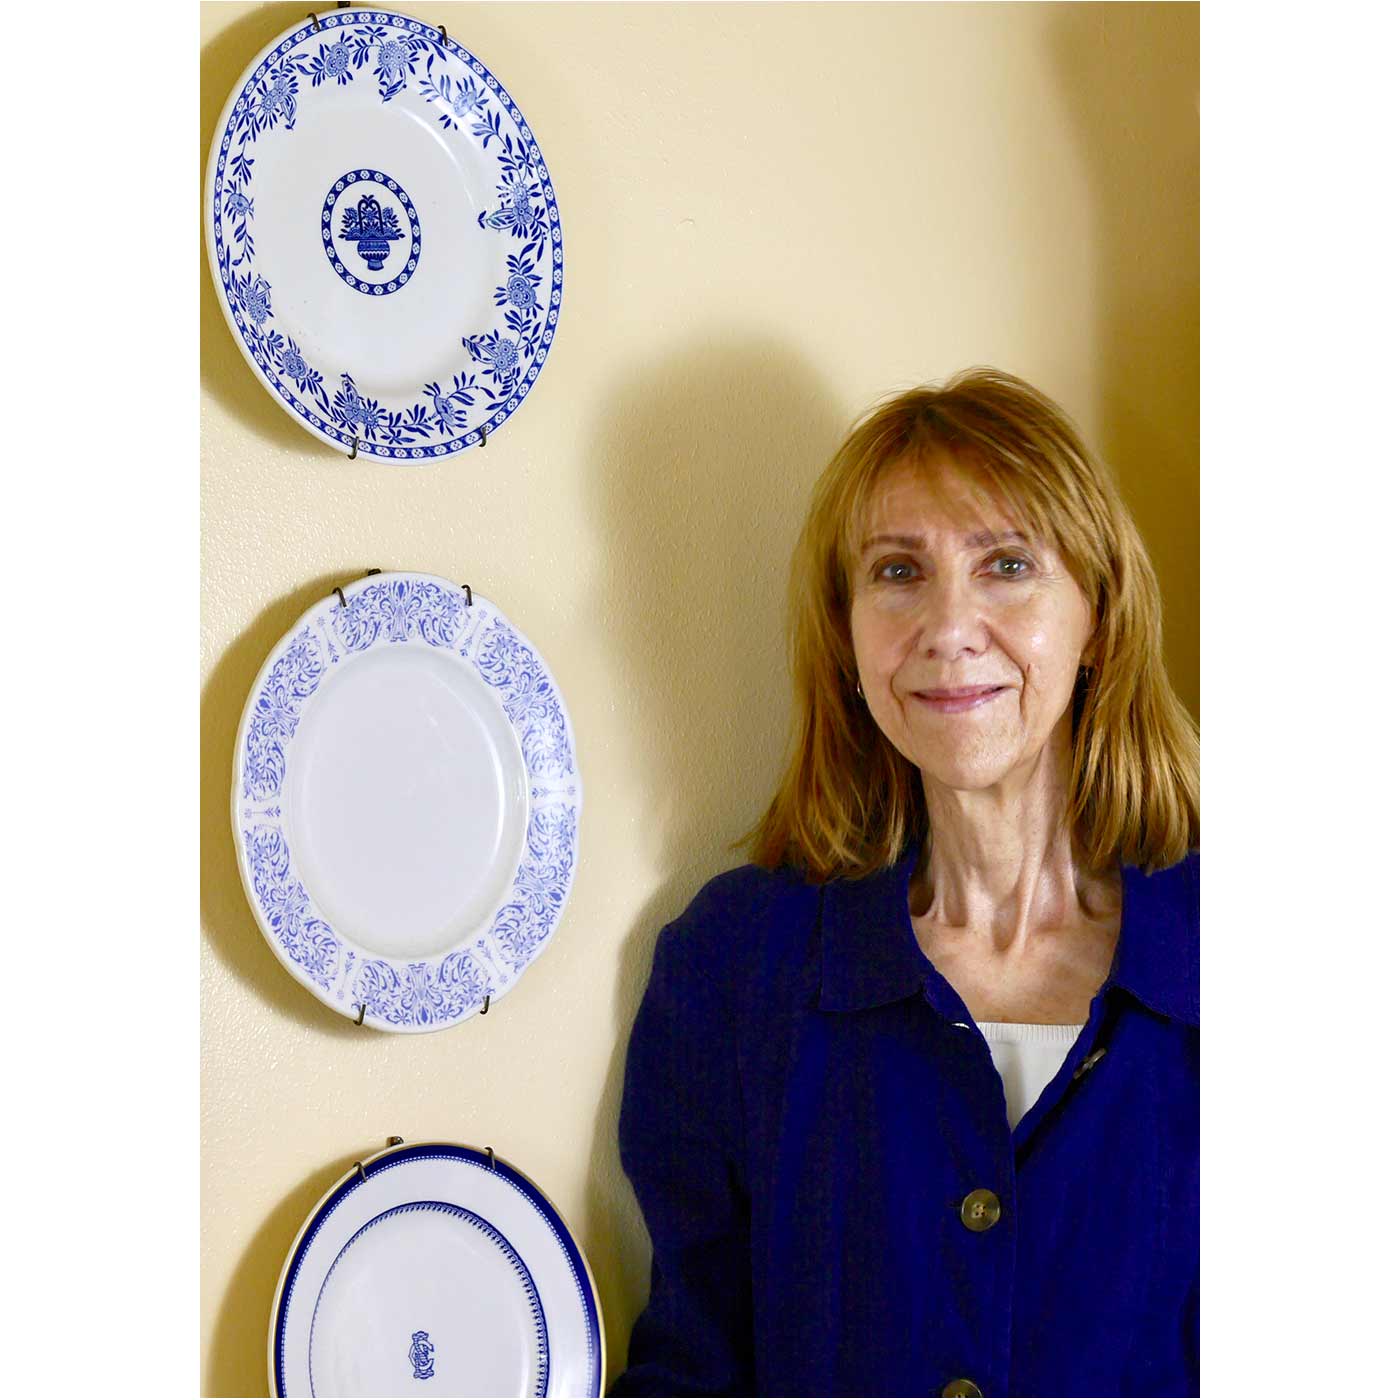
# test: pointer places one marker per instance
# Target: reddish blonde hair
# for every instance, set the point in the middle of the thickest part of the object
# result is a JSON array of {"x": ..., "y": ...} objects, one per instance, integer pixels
[{"x": 849, "y": 802}]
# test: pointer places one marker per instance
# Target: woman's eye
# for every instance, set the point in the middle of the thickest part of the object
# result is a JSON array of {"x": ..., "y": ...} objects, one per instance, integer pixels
[
  {"x": 896, "y": 571},
  {"x": 1021, "y": 567}
]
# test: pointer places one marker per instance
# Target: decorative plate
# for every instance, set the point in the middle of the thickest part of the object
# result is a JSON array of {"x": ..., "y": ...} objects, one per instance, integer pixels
[
  {"x": 383, "y": 235},
  {"x": 441, "y": 1271},
  {"x": 406, "y": 802}
]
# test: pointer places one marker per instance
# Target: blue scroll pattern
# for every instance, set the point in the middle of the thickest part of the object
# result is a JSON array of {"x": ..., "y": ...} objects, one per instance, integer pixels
[
  {"x": 536, "y": 899},
  {"x": 530, "y": 700},
  {"x": 408, "y": 61},
  {"x": 307, "y": 939},
  {"x": 395, "y": 610},
  {"x": 291, "y": 681},
  {"x": 398, "y": 609}
]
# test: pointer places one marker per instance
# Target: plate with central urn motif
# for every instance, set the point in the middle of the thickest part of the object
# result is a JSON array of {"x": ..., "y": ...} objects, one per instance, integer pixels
[{"x": 383, "y": 236}]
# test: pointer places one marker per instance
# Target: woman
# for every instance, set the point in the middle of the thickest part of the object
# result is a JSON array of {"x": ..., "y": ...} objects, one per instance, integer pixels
[{"x": 911, "y": 1101}]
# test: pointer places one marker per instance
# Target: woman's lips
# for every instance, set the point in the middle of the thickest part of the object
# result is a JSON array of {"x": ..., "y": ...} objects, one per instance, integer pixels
[{"x": 951, "y": 702}]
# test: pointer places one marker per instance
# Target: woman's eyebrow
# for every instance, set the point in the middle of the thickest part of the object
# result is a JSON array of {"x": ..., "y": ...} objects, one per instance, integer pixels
[
  {"x": 903, "y": 541},
  {"x": 985, "y": 537},
  {"x": 980, "y": 539}
]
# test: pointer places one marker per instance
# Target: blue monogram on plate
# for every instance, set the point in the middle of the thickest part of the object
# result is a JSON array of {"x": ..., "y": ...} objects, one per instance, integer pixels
[{"x": 421, "y": 1355}]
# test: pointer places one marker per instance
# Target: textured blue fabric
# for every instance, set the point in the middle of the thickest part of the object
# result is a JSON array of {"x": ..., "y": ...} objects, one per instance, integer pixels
[{"x": 803, "y": 1116}]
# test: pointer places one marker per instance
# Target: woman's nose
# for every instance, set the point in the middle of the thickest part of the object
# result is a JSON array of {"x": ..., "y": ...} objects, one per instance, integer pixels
[{"x": 950, "y": 618}]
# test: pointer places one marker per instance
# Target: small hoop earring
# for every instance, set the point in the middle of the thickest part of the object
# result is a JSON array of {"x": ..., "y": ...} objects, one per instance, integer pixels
[{"x": 859, "y": 691}]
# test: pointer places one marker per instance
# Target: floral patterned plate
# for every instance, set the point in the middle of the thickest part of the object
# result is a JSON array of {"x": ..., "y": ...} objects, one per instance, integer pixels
[
  {"x": 435, "y": 1269},
  {"x": 383, "y": 235},
  {"x": 406, "y": 802}
]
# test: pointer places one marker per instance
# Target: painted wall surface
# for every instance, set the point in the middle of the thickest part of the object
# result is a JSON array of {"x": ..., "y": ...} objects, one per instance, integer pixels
[{"x": 773, "y": 215}]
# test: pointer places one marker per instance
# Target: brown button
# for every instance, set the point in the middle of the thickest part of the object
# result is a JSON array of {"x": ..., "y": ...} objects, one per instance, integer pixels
[
  {"x": 960, "y": 1387},
  {"x": 980, "y": 1211},
  {"x": 1089, "y": 1062}
]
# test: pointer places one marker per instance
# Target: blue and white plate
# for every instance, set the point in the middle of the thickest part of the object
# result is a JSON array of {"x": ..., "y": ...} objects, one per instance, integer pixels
[
  {"x": 383, "y": 234},
  {"x": 441, "y": 1271},
  {"x": 406, "y": 802}
]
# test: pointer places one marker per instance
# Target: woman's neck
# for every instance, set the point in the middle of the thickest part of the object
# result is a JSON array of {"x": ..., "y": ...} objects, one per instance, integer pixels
[{"x": 1001, "y": 866}]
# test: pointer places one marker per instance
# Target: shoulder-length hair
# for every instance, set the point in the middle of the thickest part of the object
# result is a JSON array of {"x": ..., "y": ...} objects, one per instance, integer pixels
[{"x": 849, "y": 802}]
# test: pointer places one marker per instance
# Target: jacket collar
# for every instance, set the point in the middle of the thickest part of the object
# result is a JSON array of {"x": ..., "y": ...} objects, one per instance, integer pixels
[{"x": 870, "y": 956}]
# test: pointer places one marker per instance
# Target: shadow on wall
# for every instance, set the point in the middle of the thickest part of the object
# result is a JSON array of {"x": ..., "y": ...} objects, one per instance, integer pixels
[
  {"x": 701, "y": 465},
  {"x": 224, "y": 373},
  {"x": 1130, "y": 78},
  {"x": 238, "y": 1347},
  {"x": 230, "y": 928}
]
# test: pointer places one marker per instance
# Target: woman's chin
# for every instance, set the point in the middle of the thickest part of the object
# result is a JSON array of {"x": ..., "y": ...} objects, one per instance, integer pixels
[{"x": 963, "y": 772}]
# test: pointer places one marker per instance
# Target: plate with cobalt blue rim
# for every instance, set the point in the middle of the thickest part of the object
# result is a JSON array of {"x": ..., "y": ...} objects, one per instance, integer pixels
[
  {"x": 383, "y": 236},
  {"x": 406, "y": 802},
  {"x": 435, "y": 1269}
]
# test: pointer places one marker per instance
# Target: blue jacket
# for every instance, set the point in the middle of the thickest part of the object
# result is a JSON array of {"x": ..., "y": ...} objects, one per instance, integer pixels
[{"x": 808, "y": 1104}]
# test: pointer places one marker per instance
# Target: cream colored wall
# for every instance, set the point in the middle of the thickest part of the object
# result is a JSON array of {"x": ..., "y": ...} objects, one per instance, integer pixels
[{"x": 772, "y": 215}]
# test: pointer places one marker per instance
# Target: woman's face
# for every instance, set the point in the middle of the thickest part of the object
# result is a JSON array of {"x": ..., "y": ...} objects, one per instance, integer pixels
[{"x": 944, "y": 598}]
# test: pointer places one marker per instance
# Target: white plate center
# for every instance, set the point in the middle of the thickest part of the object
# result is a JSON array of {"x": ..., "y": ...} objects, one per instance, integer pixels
[
  {"x": 406, "y": 801},
  {"x": 393, "y": 344},
  {"x": 425, "y": 1301}
]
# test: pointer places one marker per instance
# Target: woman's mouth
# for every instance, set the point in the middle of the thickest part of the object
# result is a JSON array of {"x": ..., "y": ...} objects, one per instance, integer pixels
[{"x": 951, "y": 702}]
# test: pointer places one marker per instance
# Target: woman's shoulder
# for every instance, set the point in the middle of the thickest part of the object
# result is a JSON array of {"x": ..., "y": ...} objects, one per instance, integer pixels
[
  {"x": 1160, "y": 945},
  {"x": 747, "y": 915},
  {"x": 750, "y": 896},
  {"x": 1178, "y": 884}
]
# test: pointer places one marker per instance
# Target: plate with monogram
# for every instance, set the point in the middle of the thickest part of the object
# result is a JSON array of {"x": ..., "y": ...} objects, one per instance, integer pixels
[
  {"x": 406, "y": 802},
  {"x": 383, "y": 236},
  {"x": 435, "y": 1269}
]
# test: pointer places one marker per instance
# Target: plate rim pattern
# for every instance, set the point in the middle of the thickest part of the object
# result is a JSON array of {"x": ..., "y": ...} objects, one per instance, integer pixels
[
  {"x": 447, "y": 417},
  {"x": 397, "y": 1155},
  {"x": 408, "y": 995}
]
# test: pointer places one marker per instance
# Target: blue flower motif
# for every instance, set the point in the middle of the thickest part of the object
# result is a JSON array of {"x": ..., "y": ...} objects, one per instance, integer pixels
[
  {"x": 255, "y": 297},
  {"x": 294, "y": 365},
  {"x": 460, "y": 98},
  {"x": 497, "y": 351},
  {"x": 333, "y": 61},
  {"x": 337, "y": 62},
  {"x": 505, "y": 355},
  {"x": 468, "y": 98},
  {"x": 359, "y": 414},
  {"x": 449, "y": 408},
  {"x": 396, "y": 60},
  {"x": 277, "y": 99},
  {"x": 519, "y": 291},
  {"x": 517, "y": 196},
  {"x": 394, "y": 57}
]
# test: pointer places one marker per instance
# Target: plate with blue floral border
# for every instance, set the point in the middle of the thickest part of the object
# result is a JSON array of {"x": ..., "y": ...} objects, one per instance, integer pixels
[
  {"x": 406, "y": 802},
  {"x": 383, "y": 236},
  {"x": 435, "y": 1269}
]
